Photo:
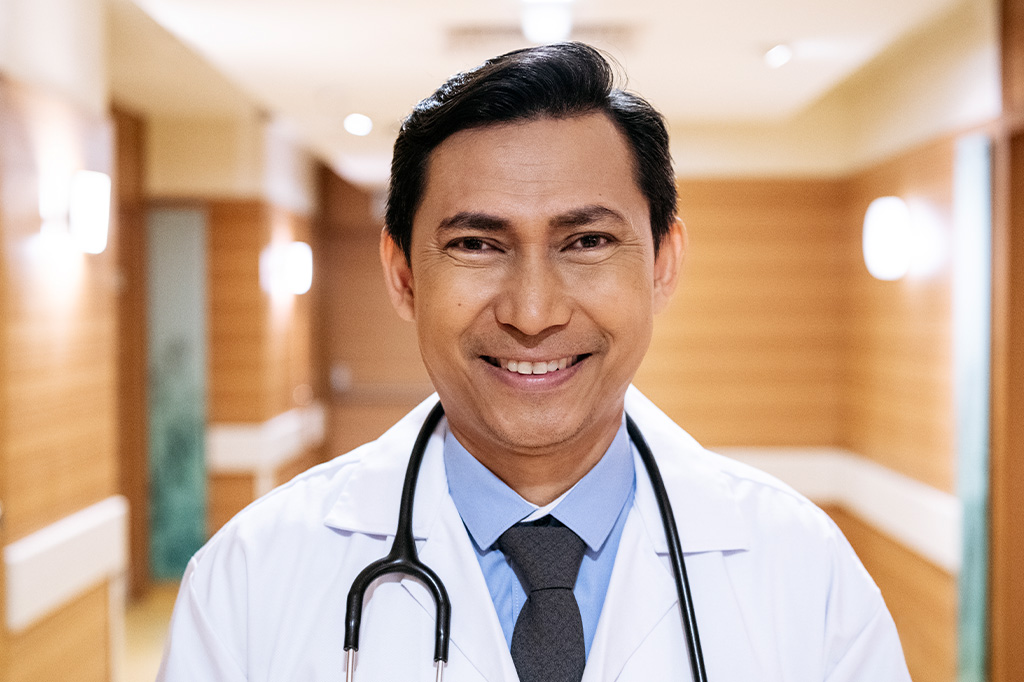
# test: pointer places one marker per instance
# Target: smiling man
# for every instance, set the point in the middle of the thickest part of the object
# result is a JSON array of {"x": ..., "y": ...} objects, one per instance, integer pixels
[{"x": 531, "y": 238}]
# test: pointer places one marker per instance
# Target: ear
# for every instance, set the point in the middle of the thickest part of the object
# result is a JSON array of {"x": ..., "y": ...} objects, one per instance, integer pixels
[
  {"x": 397, "y": 277},
  {"x": 668, "y": 263}
]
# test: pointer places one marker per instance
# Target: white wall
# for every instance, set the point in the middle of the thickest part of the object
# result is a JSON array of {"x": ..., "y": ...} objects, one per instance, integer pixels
[
  {"x": 228, "y": 158},
  {"x": 57, "y": 44}
]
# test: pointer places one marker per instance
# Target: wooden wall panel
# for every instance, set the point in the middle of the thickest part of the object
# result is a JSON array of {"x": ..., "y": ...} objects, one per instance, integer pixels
[
  {"x": 239, "y": 313},
  {"x": 291, "y": 469},
  {"x": 260, "y": 358},
  {"x": 129, "y": 206},
  {"x": 58, "y": 334},
  {"x": 747, "y": 353},
  {"x": 361, "y": 337},
  {"x": 230, "y": 493},
  {"x": 921, "y": 598},
  {"x": 226, "y": 495},
  {"x": 1007, "y": 463},
  {"x": 71, "y": 644},
  {"x": 897, "y": 390}
]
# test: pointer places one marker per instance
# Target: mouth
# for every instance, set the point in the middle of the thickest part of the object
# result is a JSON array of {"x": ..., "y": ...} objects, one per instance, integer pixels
[{"x": 538, "y": 367}]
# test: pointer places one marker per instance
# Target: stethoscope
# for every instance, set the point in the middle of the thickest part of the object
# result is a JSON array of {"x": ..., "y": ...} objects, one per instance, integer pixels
[{"x": 403, "y": 559}]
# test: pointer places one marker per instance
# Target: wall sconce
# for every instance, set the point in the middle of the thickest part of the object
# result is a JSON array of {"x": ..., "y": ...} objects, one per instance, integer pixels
[
  {"x": 286, "y": 268},
  {"x": 79, "y": 208},
  {"x": 888, "y": 240},
  {"x": 89, "y": 210}
]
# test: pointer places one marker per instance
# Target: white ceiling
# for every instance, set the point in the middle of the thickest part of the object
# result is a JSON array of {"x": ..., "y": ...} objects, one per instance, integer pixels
[{"x": 312, "y": 62}]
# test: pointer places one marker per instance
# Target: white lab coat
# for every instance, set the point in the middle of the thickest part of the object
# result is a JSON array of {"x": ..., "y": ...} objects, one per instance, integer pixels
[{"x": 779, "y": 594}]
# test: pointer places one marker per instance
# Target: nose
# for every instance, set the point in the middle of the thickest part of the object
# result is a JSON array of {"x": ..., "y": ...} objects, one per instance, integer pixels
[{"x": 534, "y": 297}]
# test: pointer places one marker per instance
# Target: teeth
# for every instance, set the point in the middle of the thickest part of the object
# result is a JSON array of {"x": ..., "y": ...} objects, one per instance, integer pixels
[{"x": 543, "y": 367}]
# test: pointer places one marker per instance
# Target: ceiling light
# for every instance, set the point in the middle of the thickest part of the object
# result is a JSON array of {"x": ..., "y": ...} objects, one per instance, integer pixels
[
  {"x": 780, "y": 55},
  {"x": 358, "y": 124},
  {"x": 546, "y": 21}
]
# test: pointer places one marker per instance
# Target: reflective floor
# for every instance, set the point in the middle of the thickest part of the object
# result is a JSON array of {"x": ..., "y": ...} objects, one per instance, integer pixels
[{"x": 145, "y": 628}]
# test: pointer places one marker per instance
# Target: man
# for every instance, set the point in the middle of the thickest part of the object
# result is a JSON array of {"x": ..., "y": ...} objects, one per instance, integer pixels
[{"x": 531, "y": 236}]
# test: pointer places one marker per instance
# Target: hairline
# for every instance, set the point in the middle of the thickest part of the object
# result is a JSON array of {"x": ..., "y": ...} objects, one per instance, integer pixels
[{"x": 605, "y": 111}]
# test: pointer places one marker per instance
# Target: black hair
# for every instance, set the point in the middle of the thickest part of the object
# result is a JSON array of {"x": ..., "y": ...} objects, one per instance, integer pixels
[{"x": 563, "y": 80}]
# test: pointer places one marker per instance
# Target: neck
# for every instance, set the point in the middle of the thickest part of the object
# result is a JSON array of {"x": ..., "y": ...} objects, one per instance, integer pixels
[{"x": 541, "y": 475}]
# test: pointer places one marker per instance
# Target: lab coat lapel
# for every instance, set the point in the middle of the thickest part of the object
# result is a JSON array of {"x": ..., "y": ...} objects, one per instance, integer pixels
[
  {"x": 476, "y": 631},
  {"x": 369, "y": 504},
  {"x": 640, "y": 593}
]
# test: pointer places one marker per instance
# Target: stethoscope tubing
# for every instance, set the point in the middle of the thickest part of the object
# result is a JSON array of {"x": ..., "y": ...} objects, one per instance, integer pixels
[
  {"x": 675, "y": 552},
  {"x": 403, "y": 559}
]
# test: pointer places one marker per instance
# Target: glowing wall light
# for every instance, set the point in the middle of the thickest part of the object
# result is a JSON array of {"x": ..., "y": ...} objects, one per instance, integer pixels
[
  {"x": 286, "y": 268},
  {"x": 76, "y": 209},
  {"x": 888, "y": 243},
  {"x": 89, "y": 210},
  {"x": 546, "y": 21}
]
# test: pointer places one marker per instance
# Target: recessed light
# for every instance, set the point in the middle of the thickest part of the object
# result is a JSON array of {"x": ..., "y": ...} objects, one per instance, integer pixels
[
  {"x": 546, "y": 21},
  {"x": 358, "y": 124},
  {"x": 780, "y": 55}
]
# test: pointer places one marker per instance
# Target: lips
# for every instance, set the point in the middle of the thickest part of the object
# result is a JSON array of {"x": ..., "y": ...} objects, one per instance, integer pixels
[{"x": 535, "y": 367}]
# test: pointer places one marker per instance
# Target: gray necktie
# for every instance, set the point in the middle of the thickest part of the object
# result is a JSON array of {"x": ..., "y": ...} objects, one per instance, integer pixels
[{"x": 547, "y": 642}]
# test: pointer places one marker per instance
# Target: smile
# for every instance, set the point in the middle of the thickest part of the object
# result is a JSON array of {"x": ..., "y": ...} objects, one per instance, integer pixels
[{"x": 541, "y": 367}]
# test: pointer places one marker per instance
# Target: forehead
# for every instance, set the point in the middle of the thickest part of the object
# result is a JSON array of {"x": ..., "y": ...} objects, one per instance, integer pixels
[{"x": 542, "y": 164}]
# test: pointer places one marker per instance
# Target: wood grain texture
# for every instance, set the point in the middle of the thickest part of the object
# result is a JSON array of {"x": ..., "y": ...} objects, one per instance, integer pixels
[
  {"x": 129, "y": 202},
  {"x": 230, "y": 493},
  {"x": 290, "y": 470},
  {"x": 259, "y": 352},
  {"x": 897, "y": 381},
  {"x": 360, "y": 335},
  {"x": 748, "y": 351},
  {"x": 1007, "y": 462},
  {"x": 1012, "y": 44},
  {"x": 59, "y": 382},
  {"x": 71, "y": 644},
  {"x": 921, "y": 597},
  {"x": 226, "y": 495}
]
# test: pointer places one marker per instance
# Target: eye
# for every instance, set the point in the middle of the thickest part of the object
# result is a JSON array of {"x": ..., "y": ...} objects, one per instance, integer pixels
[
  {"x": 470, "y": 244},
  {"x": 590, "y": 241}
]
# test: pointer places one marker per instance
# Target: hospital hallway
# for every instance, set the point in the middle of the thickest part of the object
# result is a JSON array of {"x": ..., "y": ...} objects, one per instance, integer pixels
[
  {"x": 193, "y": 312},
  {"x": 146, "y": 622}
]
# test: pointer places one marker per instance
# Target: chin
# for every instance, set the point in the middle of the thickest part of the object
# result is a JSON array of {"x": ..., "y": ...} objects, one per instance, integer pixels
[{"x": 538, "y": 431}]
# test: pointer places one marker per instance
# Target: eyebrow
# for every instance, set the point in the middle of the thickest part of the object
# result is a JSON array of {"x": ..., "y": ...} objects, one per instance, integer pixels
[
  {"x": 487, "y": 222},
  {"x": 474, "y": 220},
  {"x": 586, "y": 215}
]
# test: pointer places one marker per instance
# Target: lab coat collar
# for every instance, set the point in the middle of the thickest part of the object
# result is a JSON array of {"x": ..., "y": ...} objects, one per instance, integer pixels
[
  {"x": 369, "y": 501},
  {"x": 369, "y": 504},
  {"x": 697, "y": 483}
]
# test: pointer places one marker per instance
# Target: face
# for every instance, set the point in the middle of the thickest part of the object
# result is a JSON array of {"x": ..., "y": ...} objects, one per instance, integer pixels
[{"x": 532, "y": 282}]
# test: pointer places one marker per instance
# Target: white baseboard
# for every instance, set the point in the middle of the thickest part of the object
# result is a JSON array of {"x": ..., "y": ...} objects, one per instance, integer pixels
[
  {"x": 52, "y": 566},
  {"x": 262, "y": 448},
  {"x": 920, "y": 517}
]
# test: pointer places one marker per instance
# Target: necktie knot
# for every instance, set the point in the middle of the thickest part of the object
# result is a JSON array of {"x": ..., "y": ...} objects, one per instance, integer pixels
[
  {"x": 547, "y": 643},
  {"x": 546, "y": 556}
]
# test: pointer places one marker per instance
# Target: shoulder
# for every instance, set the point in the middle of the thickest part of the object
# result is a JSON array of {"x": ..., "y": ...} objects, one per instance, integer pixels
[{"x": 726, "y": 505}]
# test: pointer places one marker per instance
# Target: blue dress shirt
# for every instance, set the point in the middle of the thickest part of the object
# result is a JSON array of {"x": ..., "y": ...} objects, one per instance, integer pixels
[{"x": 595, "y": 509}]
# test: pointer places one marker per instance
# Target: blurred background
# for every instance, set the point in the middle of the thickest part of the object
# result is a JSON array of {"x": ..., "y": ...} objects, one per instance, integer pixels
[{"x": 192, "y": 311}]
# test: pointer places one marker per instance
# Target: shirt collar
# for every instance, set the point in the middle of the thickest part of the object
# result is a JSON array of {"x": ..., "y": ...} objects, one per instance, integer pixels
[{"x": 488, "y": 507}]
